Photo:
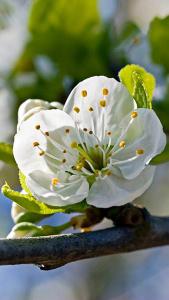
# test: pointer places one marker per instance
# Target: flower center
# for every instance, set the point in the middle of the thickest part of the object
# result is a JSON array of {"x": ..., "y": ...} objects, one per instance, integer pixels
[{"x": 93, "y": 159}]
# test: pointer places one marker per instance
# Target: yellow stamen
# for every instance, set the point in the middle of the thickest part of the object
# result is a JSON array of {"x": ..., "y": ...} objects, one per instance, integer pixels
[
  {"x": 90, "y": 109},
  {"x": 84, "y": 93},
  {"x": 122, "y": 144},
  {"x": 55, "y": 181},
  {"x": 134, "y": 114},
  {"x": 79, "y": 166},
  {"x": 67, "y": 130},
  {"x": 139, "y": 151},
  {"x": 37, "y": 126},
  {"x": 41, "y": 152},
  {"x": 74, "y": 145},
  {"x": 105, "y": 92},
  {"x": 76, "y": 109},
  {"x": 102, "y": 103},
  {"x": 35, "y": 144}
]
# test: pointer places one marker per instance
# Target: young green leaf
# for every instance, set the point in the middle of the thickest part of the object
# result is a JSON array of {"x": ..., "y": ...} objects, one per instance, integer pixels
[
  {"x": 23, "y": 183},
  {"x": 28, "y": 216},
  {"x": 139, "y": 83},
  {"x": 6, "y": 154},
  {"x": 33, "y": 205},
  {"x": 26, "y": 229}
]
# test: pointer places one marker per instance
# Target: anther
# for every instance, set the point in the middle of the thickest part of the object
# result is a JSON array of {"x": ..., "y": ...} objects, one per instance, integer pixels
[
  {"x": 90, "y": 108},
  {"x": 79, "y": 166},
  {"x": 90, "y": 132},
  {"x": 96, "y": 146},
  {"x": 84, "y": 93},
  {"x": 108, "y": 173},
  {"x": 35, "y": 144},
  {"x": 122, "y": 144},
  {"x": 105, "y": 92},
  {"x": 46, "y": 133},
  {"x": 41, "y": 152},
  {"x": 67, "y": 130},
  {"x": 76, "y": 109},
  {"x": 64, "y": 151},
  {"x": 109, "y": 133},
  {"x": 55, "y": 181},
  {"x": 85, "y": 129},
  {"x": 139, "y": 151},
  {"x": 134, "y": 114},
  {"x": 63, "y": 160},
  {"x": 102, "y": 103},
  {"x": 37, "y": 126},
  {"x": 73, "y": 145}
]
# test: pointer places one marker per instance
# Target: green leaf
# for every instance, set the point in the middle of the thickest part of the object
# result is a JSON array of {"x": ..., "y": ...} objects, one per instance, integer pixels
[
  {"x": 28, "y": 216},
  {"x": 29, "y": 229},
  {"x": 159, "y": 41},
  {"x": 139, "y": 83},
  {"x": 24, "y": 229},
  {"x": 23, "y": 184},
  {"x": 33, "y": 205},
  {"x": 6, "y": 154},
  {"x": 162, "y": 157}
]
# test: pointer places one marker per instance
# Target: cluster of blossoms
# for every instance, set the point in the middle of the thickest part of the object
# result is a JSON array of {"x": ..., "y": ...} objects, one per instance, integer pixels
[{"x": 97, "y": 148}]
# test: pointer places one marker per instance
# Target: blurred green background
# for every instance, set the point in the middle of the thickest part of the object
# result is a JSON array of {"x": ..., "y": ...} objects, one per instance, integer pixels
[{"x": 46, "y": 48}]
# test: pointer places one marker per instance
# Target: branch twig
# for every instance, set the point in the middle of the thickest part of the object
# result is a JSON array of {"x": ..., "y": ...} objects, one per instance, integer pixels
[{"x": 55, "y": 251}]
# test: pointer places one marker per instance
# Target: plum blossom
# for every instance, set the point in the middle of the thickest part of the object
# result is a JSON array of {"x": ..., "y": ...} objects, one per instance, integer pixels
[{"x": 98, "y": 148}]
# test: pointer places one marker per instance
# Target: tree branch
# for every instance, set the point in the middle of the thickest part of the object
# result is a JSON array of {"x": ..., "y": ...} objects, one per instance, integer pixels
[{"x": 55, "y": 251}]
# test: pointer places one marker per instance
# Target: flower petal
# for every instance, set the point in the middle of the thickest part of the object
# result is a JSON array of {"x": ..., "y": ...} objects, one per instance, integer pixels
[
  {"x": 98, "y": 104},
  {"x": 29, "y": 108},
  {"x": 71, "y": 188},
  {"x": 115, "y": 191},
  {"x": 144, "y": 138},
  {"x": 56, "y": 132}
]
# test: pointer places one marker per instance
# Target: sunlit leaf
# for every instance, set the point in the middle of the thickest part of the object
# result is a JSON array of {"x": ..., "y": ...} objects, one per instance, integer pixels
[{"x": 139, "y": 83}]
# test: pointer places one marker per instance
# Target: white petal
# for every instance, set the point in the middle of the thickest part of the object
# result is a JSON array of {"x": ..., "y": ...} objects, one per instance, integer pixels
[
  {"x": 40, "y": 185},
  {"x": 29, "y": 108},
  {"x": 144, "y": 132},
  {"x": 116, "y": 191},
  {"x": 56, "y": 104},
  {"x": 55, "y": 122},
  {"x": 118, "y": 104}
]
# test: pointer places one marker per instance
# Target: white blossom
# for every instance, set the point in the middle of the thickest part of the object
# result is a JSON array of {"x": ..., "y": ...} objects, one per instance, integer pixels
[{"x": 97, "y": 148}]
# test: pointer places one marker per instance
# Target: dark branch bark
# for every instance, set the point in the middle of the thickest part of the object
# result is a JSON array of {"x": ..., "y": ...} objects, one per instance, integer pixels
[{"x": 55, "y": 251}]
